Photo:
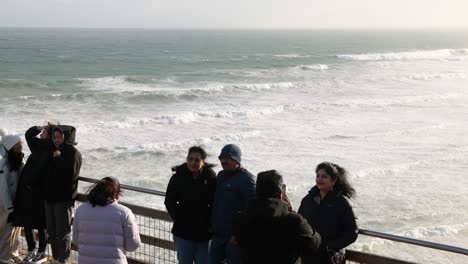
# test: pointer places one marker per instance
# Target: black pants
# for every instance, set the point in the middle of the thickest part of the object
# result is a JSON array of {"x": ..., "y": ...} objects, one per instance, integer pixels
[
  {"x": 58, "y": 219},
  {"x": 28, "y": 232}
]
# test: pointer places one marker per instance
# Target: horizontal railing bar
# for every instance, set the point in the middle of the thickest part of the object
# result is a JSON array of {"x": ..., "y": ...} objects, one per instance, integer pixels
[
  {"x": 159, "y": 242},
  {"x": 128, "y": 187},
  {"x": 362, "y": 257},
  {"x": 413, "y": 241}
]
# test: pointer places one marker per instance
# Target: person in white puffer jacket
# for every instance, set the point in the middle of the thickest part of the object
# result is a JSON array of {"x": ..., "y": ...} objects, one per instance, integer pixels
[
  {"x": 11, "y": 164},
  {"x": 103, "y": 229}
]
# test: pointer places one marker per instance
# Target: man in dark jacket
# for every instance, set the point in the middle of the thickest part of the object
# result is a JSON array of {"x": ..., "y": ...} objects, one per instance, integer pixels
[
  {"x": 29, "y": 203},
  {"x": 267, "y": 232},
  {"x": 61, "y": 188},
  {"x": 234, "y": 187}
]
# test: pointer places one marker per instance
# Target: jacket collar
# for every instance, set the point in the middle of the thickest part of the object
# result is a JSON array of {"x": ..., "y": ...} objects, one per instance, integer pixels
[{"x": 333, "y": 193}]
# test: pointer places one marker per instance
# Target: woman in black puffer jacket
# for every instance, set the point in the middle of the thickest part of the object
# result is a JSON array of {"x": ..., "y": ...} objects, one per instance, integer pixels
[
  {"x": 189, "y": 199},
  {"x": 327, "y": 211}
]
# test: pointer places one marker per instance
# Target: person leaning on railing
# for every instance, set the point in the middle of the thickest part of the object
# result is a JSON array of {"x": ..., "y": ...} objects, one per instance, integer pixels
[
  {"x": 327, "y": 211},
  {"x": 189, "y": 199},
  {"x": 103, "y": 229}
]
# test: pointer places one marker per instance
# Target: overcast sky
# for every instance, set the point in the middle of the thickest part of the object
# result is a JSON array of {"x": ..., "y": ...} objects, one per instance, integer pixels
[{"x": 238, "y": 14}]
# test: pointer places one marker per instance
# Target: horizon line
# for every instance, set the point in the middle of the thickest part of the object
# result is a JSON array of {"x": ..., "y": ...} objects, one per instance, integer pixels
[{"x": 237, "y": 29}]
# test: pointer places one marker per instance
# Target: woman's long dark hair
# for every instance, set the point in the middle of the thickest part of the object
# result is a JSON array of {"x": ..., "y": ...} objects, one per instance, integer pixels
[
  {"x": 104, "y": 191},
  {"x": 15, "y": 159},
  {"x": 341, "y": 175}
]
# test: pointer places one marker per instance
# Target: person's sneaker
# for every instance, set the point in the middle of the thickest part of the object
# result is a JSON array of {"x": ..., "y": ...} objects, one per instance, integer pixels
[
  {"x": 39, "y": 258},
  {"x": 29, "y": 256}
]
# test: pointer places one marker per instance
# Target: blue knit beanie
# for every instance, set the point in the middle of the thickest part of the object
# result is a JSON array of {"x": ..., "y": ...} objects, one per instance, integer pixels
[{"x": 231, "y": 151}]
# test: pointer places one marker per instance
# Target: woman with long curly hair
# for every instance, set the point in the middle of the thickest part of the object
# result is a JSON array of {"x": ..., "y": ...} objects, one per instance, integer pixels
[{"x": 328, "y": 211}]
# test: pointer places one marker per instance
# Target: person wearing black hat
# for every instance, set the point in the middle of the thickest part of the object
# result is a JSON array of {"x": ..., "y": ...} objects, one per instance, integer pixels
[{"x": 235, "y": 186}]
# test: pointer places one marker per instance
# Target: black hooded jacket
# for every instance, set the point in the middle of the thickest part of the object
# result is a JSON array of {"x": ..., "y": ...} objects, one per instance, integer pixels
[
  {"x": 61, "y": 184},
  {"x": 189, "y": 202},
  {"x": 268, "y": 233},
  {"x": 29, "y": 203},
  {"x": 332, "y": 217}
]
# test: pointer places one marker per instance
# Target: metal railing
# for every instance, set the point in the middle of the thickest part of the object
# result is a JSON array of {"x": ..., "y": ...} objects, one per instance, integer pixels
[{"x": 158, "y": 246}]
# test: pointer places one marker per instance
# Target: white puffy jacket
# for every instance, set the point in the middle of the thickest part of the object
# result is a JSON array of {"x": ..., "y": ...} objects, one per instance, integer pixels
[
  {"x": 8, "y": 182},
  {"x": 104, "y": 233}
]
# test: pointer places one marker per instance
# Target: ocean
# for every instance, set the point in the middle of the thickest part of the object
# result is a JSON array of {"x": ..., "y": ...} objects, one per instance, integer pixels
[{"x": 389, "y": 106}]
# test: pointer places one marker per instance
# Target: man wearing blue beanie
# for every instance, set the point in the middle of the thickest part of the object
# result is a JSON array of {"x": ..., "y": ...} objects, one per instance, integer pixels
[{"x": 235, "y": 186}]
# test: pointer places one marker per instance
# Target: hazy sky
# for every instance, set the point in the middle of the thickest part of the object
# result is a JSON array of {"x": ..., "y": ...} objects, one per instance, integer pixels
[{"x": 235, "y": 13}]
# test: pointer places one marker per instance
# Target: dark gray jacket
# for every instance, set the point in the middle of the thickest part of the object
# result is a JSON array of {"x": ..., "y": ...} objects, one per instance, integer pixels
[{"x": 233, "y": 190}]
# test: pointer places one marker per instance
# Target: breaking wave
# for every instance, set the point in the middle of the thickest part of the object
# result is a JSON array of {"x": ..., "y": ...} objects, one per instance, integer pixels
[{"x": 409, "y": 55}]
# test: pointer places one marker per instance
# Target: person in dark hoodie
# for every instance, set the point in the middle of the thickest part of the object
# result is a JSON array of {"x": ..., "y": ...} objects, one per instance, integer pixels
[
  {"x": 235, "y": 186},
  {"x": 268, "y": 232},
  {"x": 29, "y": 203},
  {"x": 327, "y": 211},
  {"x": 189, "y": 199},
  {"x": 61, "y": 186}
]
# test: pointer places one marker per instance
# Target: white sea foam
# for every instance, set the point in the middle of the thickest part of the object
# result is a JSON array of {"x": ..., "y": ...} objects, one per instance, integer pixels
[
  {"x": 394, "y": 101},
  {"x": 180, "y": 118},
  {"x": 291, "y": 55},
  {"x": 263, "y": 86},
  {"x": 429, "y": 231},
  {"x": 114, "y": 83},
  {"x": 123, "y": 84},
  {"x": 434, "y": 76},
  {"x": 177, "y": 145},
  {"x": 312, "y": 67},
  {"x": 409, "y": 55}
]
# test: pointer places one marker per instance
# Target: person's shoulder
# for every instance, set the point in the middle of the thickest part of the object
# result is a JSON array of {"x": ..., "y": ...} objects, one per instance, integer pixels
[
  {"x": 210, "y": 172},
  {"x": 82, "y": 208},
  {"x": 295, "y": 221},
  {"x": 245, "y": 173},
  {"x": 293, "y": 217},
  {"x": 307, "y": 198},
  {"x": 342, "y": 201},
  {"x": 121, "y": 207}
]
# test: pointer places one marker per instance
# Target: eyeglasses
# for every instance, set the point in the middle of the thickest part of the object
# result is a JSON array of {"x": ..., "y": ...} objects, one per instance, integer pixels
[{"x": 194, "y": 159}]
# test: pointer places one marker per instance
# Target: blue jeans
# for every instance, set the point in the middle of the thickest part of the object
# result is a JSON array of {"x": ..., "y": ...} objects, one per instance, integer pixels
[
  {"x": 223, "y": 252},
  {"x": 189, "y": 251}
]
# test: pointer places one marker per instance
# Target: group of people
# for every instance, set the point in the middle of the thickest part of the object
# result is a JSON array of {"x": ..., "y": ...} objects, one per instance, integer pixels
[
  {"x": 218, "y": 218},
  {"x": 230, "y": 218},
  {"x": 39, "y": 194}
]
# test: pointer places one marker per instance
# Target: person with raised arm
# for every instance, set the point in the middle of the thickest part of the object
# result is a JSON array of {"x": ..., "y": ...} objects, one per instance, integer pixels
[
  {"x": 29, "y": 204},
  {"x": 61, "y": 189},
  {"x": 268, "y": 231}
]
